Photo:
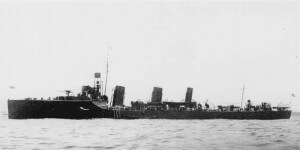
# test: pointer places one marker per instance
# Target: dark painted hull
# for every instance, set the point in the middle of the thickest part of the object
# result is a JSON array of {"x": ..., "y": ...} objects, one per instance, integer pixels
[
  {"x": 174, "y": 114},
  {"x": 79, "y": 109},
  {"x": 85, "y": 109}
]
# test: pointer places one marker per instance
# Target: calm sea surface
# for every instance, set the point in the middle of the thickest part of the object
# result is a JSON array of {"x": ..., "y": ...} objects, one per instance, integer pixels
[{"x": 149, "y": 134}]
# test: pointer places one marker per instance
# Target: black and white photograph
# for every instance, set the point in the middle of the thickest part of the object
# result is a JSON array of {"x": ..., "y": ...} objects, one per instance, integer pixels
[{"x": 150, "y": 74}]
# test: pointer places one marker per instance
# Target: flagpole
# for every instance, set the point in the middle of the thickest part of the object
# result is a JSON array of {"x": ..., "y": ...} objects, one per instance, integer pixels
[
  {"x": 243, "y": 95},
  {"x": 106, "y": 68},
  {"x": 292, "y": 96}
]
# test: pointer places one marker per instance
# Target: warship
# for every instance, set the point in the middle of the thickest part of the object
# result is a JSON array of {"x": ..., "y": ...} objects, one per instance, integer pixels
[{"x": 93, "y": 103}]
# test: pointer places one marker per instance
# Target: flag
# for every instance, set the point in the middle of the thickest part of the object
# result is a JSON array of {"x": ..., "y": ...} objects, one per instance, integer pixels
[{"x": 97, "y": 75}]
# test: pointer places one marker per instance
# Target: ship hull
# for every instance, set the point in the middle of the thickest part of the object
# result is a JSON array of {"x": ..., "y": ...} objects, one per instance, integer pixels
[
  {"x": 175, "y": 114},
  {"x": 86, "y": 109},
  {"x": 78, "y": 109}
]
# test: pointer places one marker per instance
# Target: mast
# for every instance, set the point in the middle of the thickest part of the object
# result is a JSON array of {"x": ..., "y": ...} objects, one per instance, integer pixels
[
  {"x": 106, "y": 69},
  {"x": 243, "y": 95}
]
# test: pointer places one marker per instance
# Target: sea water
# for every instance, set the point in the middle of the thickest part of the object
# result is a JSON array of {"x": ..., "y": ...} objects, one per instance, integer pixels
[{"x": 149, "y": 134}]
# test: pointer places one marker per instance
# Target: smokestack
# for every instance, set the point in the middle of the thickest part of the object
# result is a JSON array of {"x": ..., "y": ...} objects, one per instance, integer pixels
[
  {"x": 118, "y": 98},
  {"x": 156, "y": 95},
  {"x": 189, "y": 95}
]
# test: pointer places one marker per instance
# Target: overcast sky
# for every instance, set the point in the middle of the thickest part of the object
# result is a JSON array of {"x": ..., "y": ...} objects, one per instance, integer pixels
[{"x": 213, "y": 46}]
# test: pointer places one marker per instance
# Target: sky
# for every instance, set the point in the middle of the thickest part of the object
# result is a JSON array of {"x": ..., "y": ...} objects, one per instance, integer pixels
[{"x": 215, "y": 47}]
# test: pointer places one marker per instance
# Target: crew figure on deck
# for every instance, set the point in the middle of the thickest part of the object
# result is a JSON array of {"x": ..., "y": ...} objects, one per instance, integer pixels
[
  {"x": 199, "y": 107},
  {"x": 248, "y": 105},
  {"x": 206, "y": 104}
]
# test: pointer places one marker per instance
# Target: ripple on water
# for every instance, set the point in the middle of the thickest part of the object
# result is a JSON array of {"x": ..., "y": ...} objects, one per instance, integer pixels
[
  {"x": 279, "y": 141},
  {"x": 69, "y": 147},
  {"x": 46, "y": 143}
]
